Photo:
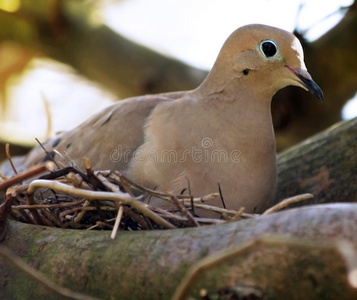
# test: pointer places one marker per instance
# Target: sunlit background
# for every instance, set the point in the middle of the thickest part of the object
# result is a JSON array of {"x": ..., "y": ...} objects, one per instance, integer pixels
[
  {"x": 195, "y": 32},
  {"x": 192, "y": 32}
]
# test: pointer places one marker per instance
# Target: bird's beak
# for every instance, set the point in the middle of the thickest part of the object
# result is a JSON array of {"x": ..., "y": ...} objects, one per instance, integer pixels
[{"x": 307, "y": 81}]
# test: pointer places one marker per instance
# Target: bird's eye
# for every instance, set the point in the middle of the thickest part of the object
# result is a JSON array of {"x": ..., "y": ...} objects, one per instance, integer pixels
[{"x": 269, "y": 48}]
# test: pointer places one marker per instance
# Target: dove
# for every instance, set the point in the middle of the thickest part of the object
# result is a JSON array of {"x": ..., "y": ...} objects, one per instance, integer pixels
[{"x": 219, "y": 135}]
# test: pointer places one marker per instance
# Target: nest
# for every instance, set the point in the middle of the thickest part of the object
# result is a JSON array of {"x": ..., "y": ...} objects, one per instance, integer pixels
[
  {"x": 69, "y": 198},
  {"x": 105, "y": 199}
]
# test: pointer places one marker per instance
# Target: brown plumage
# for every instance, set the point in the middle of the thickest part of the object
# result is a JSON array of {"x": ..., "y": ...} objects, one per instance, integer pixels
[{"x": 220, "y": 132}]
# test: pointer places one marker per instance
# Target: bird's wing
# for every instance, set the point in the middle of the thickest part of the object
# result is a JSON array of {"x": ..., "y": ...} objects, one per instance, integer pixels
[{"x": 108, "y": 139}]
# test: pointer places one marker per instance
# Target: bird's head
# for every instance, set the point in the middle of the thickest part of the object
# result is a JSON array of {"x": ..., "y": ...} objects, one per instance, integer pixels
[{"x": 265, "y": 57}]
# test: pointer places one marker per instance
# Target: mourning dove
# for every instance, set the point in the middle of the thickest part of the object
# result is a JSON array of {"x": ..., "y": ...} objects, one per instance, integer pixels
[{"x": 219, "y": 133}]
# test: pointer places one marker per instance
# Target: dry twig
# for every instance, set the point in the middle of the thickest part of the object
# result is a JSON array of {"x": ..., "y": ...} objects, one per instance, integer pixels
[
  {"x": 95, "y": 195},
  {"x": 286, "y": 202},
  {"x": 8, "y": 155},
  {"x": 117, "y": 222},
  {"x": 18, "y": 178},
  {"x": 185, "y": 212}
]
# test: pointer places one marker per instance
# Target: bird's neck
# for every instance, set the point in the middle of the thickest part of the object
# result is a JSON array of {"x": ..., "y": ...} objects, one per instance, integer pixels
[
  {"x": 240, "y": 108},
  {"x": 236, "y": 92}
]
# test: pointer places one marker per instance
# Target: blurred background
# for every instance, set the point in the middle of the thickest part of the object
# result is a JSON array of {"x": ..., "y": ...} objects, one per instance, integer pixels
[{"x": 62, "y": 61}]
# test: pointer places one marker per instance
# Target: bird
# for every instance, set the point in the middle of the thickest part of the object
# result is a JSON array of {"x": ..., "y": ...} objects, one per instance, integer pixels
[{"x": 218, "y": 136}]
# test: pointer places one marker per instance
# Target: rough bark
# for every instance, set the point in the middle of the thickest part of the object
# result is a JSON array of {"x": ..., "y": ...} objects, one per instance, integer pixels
[
  {"x": 150, "y": 265},
  {"x": 324, "y": 165}
]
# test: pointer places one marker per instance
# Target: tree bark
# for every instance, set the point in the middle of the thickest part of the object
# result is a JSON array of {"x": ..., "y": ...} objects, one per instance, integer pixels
[
  {"x": 324, "y": 165},
  {"x": 150, "y": 265}
]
